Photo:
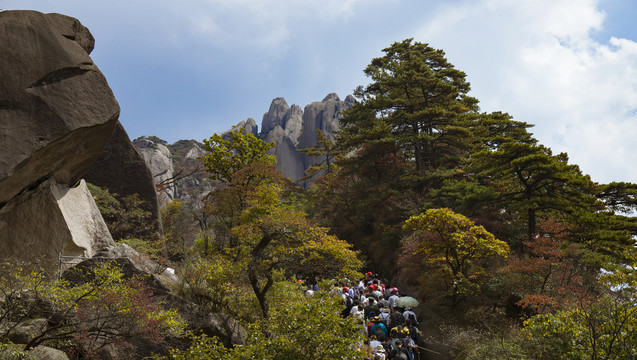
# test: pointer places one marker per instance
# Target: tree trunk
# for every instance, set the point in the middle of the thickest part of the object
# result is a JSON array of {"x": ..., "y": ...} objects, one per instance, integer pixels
[
  {"x": 258, "y": 291},
  {"x": 532, "y": 224}
]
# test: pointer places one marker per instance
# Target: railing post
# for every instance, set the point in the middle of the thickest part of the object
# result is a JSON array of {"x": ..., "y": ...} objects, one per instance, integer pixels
[{"x": 59, "y": 265}]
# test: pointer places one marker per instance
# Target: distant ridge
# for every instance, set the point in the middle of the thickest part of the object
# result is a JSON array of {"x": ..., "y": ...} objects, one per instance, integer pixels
[{"x": 179, "y": 173}]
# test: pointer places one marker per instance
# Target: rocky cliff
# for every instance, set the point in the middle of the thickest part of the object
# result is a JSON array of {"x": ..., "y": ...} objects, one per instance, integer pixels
[
  {"x": 176, "y": 168},
  {"x": 292, "y": 129}
]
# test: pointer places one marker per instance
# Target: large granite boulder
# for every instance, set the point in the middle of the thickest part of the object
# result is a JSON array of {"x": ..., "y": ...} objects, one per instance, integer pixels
[
  {"x": 47, "y": 353},
  {"x": 57, "y": 111},
  {"x": 123, "y": 171},
  {"x": 39, "y": 224}
]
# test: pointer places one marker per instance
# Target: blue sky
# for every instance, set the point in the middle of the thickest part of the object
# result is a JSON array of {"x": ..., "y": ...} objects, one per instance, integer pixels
[{"x": 187, "y": 69}]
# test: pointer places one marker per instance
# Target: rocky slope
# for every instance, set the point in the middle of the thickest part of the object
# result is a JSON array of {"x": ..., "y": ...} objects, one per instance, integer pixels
[{"x": 178, "y": 171}]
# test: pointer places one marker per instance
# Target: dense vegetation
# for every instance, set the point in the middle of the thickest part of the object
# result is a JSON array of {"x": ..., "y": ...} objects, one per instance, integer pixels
[{"x": 513, "y": 251}]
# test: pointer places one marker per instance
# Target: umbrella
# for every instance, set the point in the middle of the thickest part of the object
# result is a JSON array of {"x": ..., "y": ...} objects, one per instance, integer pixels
[
  {"x": 383, "y": 303},
  {"x": 406, "y": 301},
  {"x": 377, "y": 294}
]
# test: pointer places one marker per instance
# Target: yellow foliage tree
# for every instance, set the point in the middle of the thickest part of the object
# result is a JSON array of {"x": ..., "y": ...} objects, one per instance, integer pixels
[
  {"x": 275, "y": 235},
  {"x": 453, "y": 244}
]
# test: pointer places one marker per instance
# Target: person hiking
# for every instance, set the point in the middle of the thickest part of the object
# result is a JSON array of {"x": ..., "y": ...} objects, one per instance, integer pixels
[
  {"x": 374, "y": 341},
  {"x": 378, "y": 352},
  {"x": 393, "y": 298},
  {"x": 384, "y": 316},
  {"x": 399, "y": 352},
  {"x": 373, "y": 321},
  {"x": 396, "y": 318},
  {"x": 409, "y": 314},
  {"x": 371, "y": 310},
  {"x": 409, "y": 344},
  {"x": 379, "y": 326},
  {"x": 414, "y": 333}
]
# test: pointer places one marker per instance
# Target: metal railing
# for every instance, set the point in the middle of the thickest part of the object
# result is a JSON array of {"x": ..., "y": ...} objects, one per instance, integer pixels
[{"x": 67, "y": 261}]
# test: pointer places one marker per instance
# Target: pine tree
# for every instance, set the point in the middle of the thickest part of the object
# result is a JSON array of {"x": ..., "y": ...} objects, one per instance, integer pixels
[{"x": 418, "y": 101}]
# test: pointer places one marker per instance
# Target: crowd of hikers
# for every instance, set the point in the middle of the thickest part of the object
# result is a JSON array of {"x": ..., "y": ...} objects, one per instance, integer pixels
[{"x": 389, "y": 327}]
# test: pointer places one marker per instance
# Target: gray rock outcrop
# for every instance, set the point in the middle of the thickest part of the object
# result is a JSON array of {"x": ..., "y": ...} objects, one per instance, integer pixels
[
  {"x": 323, "y": 115},
  {"x": 47, "y": 353},
  {"x": 288, "y": 127},
  {"x": 249, "y": 127},
  {"x": 123, "y": 171},
  {"x": 176, "y": 168},
  {"x": 292, "y": 129},
  {"x": 159, "y": 160},
  {"x": 283, "y": 121},
  {"x": 57, "y": 113}
]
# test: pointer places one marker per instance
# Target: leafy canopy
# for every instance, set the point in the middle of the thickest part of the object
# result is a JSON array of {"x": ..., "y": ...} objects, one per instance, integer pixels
[
  {"x": 227, "y": 156},
  {"x": 454, "y": 244}
]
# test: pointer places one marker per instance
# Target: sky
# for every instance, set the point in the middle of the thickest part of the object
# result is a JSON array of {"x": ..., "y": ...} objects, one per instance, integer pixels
[{"x": 187, "y": 69}]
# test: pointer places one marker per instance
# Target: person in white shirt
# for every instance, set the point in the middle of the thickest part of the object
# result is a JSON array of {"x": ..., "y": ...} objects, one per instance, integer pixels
[{"x": 392, "y": 299}]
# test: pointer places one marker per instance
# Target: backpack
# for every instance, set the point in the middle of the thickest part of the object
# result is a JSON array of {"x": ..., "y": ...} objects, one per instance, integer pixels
[
  {"x": 397, "y": 318},
  {"x": 412, "y": 317},
  {"x": 348, "y": 301},
  {"x": 357, "y": 293},
  {"x": 401, "y": 356}
]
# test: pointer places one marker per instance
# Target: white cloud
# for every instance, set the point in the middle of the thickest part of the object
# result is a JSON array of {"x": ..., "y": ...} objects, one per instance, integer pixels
[
  {"x": 538, "y": 60},
  {"x": 265, "y": 24}
]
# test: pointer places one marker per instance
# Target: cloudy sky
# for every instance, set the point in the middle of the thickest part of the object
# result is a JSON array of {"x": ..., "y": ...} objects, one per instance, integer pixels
[{"x": 187, "y": 69}]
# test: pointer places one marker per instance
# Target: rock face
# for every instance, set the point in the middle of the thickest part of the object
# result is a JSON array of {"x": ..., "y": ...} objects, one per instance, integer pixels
[
  {"x": 38, "y": 224},
  {"x": 44, "y": 352},
  {"x": 57, "y": 113},
  {"x": 122, "y": 170},
  {"x": 56, "y": 109},
  {"x": 292, "y": 129},
  {"x": 159, "y": 160},
  {"x": 176, "y": 168}
]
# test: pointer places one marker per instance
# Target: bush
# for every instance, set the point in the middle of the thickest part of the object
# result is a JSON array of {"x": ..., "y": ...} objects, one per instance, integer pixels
[
  {"x": 300, "y": 327},
  {"x": 83, "y": 318}
]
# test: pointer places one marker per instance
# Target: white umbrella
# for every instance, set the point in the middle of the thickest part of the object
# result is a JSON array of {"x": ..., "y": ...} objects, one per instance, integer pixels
[{"x": 406, "y": 301}]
